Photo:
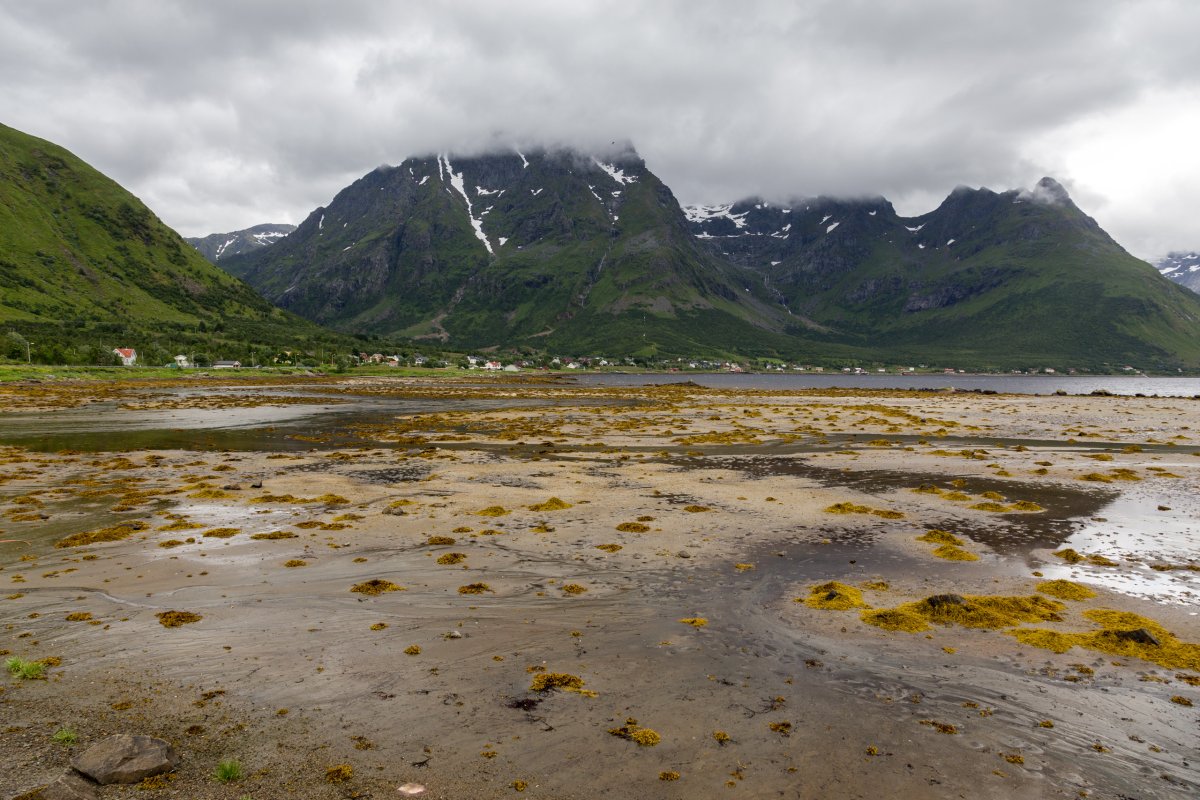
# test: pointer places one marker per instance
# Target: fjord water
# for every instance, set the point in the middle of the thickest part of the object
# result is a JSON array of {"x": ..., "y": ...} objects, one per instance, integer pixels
[{"x": 1128, "y": 385}]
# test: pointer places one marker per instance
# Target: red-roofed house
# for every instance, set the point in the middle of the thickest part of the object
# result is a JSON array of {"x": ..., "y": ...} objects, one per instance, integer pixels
[{"x": 127, "y": 355}]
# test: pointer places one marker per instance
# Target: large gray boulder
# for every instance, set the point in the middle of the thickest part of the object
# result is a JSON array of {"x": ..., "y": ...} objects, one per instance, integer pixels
[{"x": 126, "y": 759}]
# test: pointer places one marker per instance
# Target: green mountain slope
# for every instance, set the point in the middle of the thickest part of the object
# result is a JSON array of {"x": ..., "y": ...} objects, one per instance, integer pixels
[
  {"x": 548, "y": 249},
  {"x": 987, "y": 279},
  {"x": 82, "y": 259}
]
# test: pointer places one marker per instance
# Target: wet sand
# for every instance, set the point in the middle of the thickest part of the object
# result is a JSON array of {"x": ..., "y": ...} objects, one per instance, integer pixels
[{"x": 292, "y": 673}]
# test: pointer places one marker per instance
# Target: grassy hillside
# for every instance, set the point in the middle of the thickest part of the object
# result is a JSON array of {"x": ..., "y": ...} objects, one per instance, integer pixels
[{"x": 84, "y": 262}]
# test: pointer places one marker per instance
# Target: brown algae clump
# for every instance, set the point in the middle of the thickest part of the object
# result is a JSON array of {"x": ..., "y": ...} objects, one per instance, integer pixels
[
  {"x": 114, "y": 533},
  {"x": 693, "y": 509},
  {"x": 633, "y": 527},
  {"x": 222, "y": 533},
  {"x": 553, "y": 504},
  {"x": 573, "y": 588},
  {"x": 1069, "y": 555},
  {"x": 545, "y": 681},
  {"x": 608, "y": 548},
  {"x": 1122, "y": 633},
  {"x": 970, "y": 611},
  {"x": 375, "y": 586},
  {"x": 987, "y": 611},
  {"x": 940, "y": 537},
  {"x": 695, "y": 622},
  {"x": 894, "y": 619},
  {"x": 295, "y": 562},
  {"x": 439, "y": 540},
  {"x": 668, "y": 775},
  {"x": 833, "y": 596},
  {"x": 847, "y": 508},
  {"x": 1072, "y": 556},
  {"x": 565, "y": 681},
  {"x": 412, "y": 650},
  {"x": 1065, "y": 590},
  {"x": 493, "y": 511},
  {"x": 173, "y": 619},
  {"x": 339, "y": 773},
  {"x": 273, "y": 535},
  {"x": 783, "y": 728},
  {"x": 631, "y": 731},
  {"x": 452, "y": 558},
  {"x": 953, "y": 553},
  {"x": 854, "y": 508},
  {"x": 474, "y": 588},
  {"x": 990, "y": 506}
]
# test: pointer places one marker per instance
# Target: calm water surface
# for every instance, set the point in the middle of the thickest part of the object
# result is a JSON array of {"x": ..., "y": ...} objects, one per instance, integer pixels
[{"x": 1010, "y": 384}]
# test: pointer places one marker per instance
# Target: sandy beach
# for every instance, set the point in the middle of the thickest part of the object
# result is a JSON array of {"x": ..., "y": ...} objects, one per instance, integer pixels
[{"x": 499, "y": 588}]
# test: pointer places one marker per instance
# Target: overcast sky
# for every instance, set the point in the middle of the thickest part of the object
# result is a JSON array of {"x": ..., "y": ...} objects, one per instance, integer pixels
[{"x": 221, "y": 114}]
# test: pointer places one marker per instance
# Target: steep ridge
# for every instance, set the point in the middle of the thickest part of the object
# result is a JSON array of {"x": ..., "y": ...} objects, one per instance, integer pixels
[
  {"x": 216, "y": 246},
  {"x": 79, "y": 255},
  {"x": 542, "y": 249}
]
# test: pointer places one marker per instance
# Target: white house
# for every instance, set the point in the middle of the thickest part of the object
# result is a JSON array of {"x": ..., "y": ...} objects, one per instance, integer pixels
[
  {"x": 127, "y": 355},
  {"x": 182, "y": 362}
]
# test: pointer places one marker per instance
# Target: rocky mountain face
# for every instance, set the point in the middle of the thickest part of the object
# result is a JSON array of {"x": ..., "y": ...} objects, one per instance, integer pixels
[
  {"x": 546, "y": 249},
  {"x": 1182, "y": 268},
  {"x": 216, "y": 246},
  {"x": 570, "y": 251},
  {"x": 80, "y": 254},
  {"x": 1007, "y": 277}
]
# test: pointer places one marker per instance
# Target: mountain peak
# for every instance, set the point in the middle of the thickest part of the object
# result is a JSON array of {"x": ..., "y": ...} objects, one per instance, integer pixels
[{"x": 1050, "y": 192}]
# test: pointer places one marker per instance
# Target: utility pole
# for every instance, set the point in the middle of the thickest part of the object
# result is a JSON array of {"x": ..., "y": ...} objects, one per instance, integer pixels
[{"x": 28, "y": 356}]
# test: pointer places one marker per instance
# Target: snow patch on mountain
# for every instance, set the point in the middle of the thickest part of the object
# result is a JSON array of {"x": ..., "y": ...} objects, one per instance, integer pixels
[
  {"x": 456, "y": 180},
  {"x": 616, "y": 174},
  {"x": 705, "y": 213},
  {"x": 1182, "y": 267}
]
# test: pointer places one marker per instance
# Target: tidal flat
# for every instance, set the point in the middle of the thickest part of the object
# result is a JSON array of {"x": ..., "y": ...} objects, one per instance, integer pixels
[{"x": 522, "y": 587}]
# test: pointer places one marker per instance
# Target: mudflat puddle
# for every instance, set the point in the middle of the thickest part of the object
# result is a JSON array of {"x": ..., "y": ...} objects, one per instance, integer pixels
[
  {"x": 1153, "y": 535},
  {"x": 308, "y": 416}
]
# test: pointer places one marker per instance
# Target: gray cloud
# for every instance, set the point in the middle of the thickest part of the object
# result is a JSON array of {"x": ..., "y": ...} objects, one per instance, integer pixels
[{"x": 223, "y": 114}]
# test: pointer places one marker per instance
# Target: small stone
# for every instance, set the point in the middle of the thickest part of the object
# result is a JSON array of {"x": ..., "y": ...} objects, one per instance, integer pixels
[
  {"x": 126, "y": 759},
  {"x": 1138, "y": 636},
  {"x": 939, "y": 600},
  {"x": 684, "y": 554}
]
